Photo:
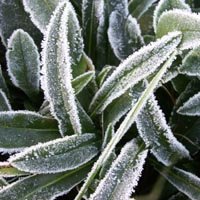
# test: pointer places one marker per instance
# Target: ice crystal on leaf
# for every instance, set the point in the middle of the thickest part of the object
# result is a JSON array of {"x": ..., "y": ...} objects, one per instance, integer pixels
[{"x": 4, "y": 102}]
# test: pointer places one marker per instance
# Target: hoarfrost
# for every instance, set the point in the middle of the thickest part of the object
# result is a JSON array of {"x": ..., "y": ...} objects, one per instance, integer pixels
[
  {"x": 155, "y": 132},
  {"x": 135, "y": 68},
  {"x": 191, "y": 107},
  {"x": 123, "y": 175},
  {"x": 4, "y": 102}
]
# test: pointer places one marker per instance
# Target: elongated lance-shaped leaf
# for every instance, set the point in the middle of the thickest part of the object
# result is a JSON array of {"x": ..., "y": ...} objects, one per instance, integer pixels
[
  {"x": 44, "y": 187},
  {"x": 57, "y": 155},
  {"x": 166, "y": 5},
  {"x": 186, "y": 182},
  {"x": 108, "y": 135},
  {"x": 138, "y": 7},
  {"x": 23, "y": 63},
  {"x": 125, "y": 125},
  {"x": 135, "y": 68},
  {"x": 124, "y": 32},
  {"x": 3, "y": 182},
  {"x": 120, "y": 106},
  {"x": 14, "y": 9},
  {"x": 3, "y": 85},
  {"x": 123, "y": 174},
  {"x": 184, "y": 21},
  {"x": 155, "y": 132},
  {"x": 80, "y": 82},
  {"x": 191, "y": 63},
  {"x": 7, "y": 171},
  {"x": 20, "y": 129},
  {"x": 191, "y": 107},
  {"x": 41, "y": 11},
  {"x": 4, "y": 102},
  {"x": 57, "y": 63}
]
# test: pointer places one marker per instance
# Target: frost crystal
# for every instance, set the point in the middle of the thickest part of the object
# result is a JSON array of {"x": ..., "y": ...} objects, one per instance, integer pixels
[
  {"x": 123, "y": 175},
  {"x": 135, "y": 68},
  {"x": 4, "y": 102},
  {"x": 57, "y": 75},
  {"x": 191, "y": 107},
  {"x": 155, "y": 132},
  {"x": 57, "y": 155}
]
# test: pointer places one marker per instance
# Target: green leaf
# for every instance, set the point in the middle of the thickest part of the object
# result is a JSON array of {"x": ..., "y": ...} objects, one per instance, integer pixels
[
  {"x": 57, "y": 155},
  {"x": 155, "y": 132},
  {"x": 44, "y": 187},
  {"x": 124, "y": 32},
  {"x": 124, "y": 173},
  {"x": 59, "y": 54},
  {"x": 23, "y": 63},
  {"x": 191, "y": 107},
  {"x": 138, "y": 7},
  {"x": 184, "y": 21},
  {"x": 108, "y": 135},
  {"x": 3, "y": 85},
  {"x": 191, "y": 63},
  {"x": 166, "y": 5},
  {"x": 3, "y": 182},
  {"x": 20, "y": 129},
  {"x": 80, "y": 82},
  {"x": 125, "y": 125},
  {"x": 14, "y": 9},
  {"x": 184, "y": 181},
  {"x": 135, "y": 68},
  {"x": 40, "y": 11},
  {"x": 4, "y": 102}
]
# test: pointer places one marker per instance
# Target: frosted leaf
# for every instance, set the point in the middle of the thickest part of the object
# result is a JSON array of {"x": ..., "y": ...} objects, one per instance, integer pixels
[
  {"x": 138, "y": 7},
  {"x": 3, "y": 85},
  {"x": 191, "y": 107},
  {"x": 108, "y": 135},
  {"x": 57, "y": 68},
  {"x": 184, "y": 181},
  {"x": 41, "y": 11},
  {"x": 20, "y": 129},
  {"x": 23, "y": 63},
  {"x": 80, "y": 82},
  {"x": 170, "y": 74},
  {"x": 43, "y": 187},
  {"x": 136, "y": 67},
  {"x": 155, "y": 132},
  {"x": 123, "y": 174},
  {"x": 12, "y": 17},
  {"x": 4, "y": 102},
  {"x": 57, "y": 155},
  {"x": 166, "y": 5},
  {"x": 3, "y": 183},
  {"x": 191, "y": 63},
  {"x": 120, "y": 106},
  {"x": 184, "y": 21}
]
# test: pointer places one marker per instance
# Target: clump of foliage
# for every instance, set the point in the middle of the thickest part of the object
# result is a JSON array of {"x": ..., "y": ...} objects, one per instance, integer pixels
[{"x": 100, "y": 96}]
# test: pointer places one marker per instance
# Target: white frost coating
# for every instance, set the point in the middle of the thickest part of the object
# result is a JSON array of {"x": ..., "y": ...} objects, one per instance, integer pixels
[
  {"x": 24, "y": 112},
  {"x": 57, "y": 155},
  {"x": 191, "y": 107},
  {"x": 5, "y": 104},
  {"x": 23, "y": 61},
  {"x": 40, "y": 11},
  {"x": 57, "y": 63},
  {"x": 123, "y": 175},
  {"x": 135, "y": 68},
  {"x": 166, "y": 5},
  {"x": 184, "y": 21},
  {"x": 155, "y": 132},
  {"x": 184, "y": 181}
]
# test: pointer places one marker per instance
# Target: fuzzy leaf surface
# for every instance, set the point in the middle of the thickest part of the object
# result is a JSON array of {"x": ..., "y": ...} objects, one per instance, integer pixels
[
  {"x": 58, "y": 53},
  {"x": 3, "y": 85},
  {"x": 4, "y": 102},
  {"x": 135, "y": 68},
  {"x": 40, "y": 11},
  {"x": 23, "y": 63},
  {"x": 191, "y": 63},
  {"x": 57, "y": 155},
  {"x": 20, "y": 129},
  {"x": 184, "y": 21},
  {"x": 123, "y": 174},
  {"x": 166, "y": 5},
  {"x": 191, "y": 107},
  {"x": 14, "y": 9},
  {"x": 44, "y": 187},
  {"x": 155, "y": 132}
]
